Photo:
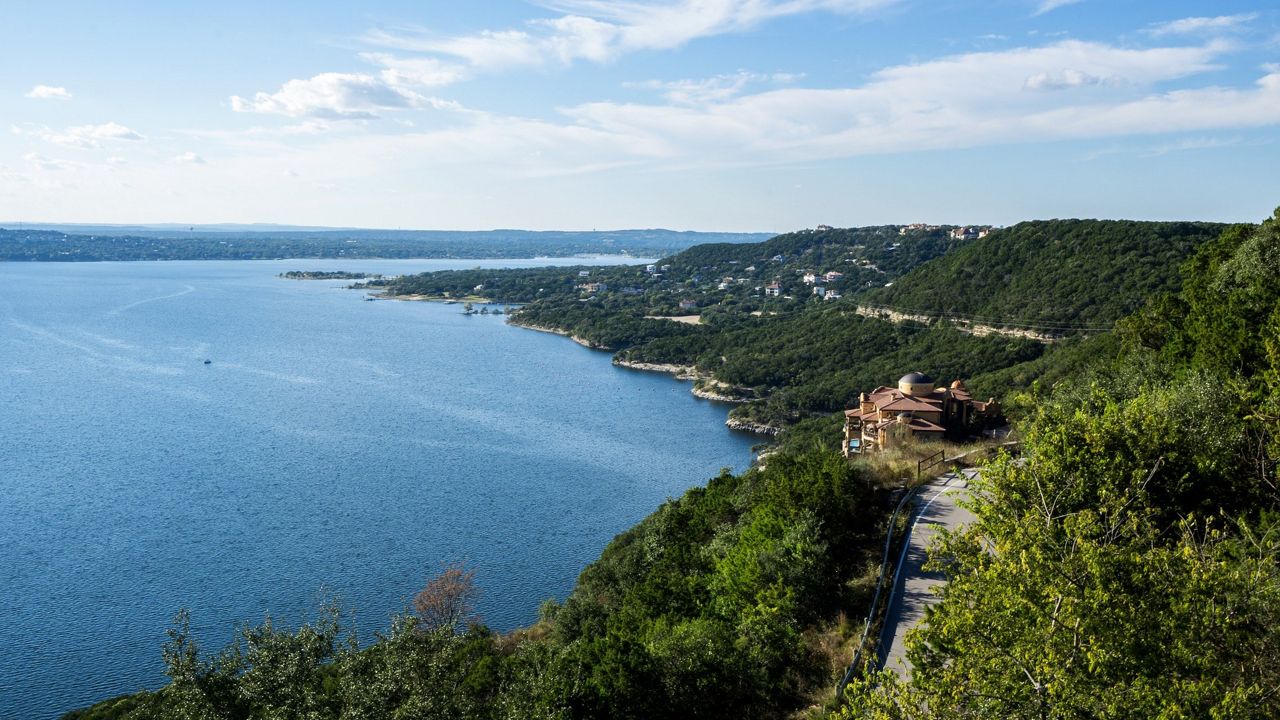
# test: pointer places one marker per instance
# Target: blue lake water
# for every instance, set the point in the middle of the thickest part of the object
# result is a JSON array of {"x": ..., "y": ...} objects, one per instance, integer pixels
[{"x": 332, "y": 446}]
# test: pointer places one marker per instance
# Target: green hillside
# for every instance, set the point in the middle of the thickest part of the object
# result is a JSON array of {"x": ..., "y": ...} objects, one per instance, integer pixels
[
  {"x": 1069, "y": 273},
  {"x": 1136, "y": 571}
]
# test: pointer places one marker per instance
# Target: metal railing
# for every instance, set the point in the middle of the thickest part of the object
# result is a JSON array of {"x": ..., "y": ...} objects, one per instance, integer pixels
[
  {"x": 875, "y": 599},
  {"x": 935, "y": 459}
]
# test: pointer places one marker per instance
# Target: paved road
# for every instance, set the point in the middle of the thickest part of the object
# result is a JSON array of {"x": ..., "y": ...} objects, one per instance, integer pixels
[{"x": 936, "y": 507}]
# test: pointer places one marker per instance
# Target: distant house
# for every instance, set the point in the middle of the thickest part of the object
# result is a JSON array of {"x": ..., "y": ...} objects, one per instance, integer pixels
[
  {"x": 810, "y": 278},
  {"x": 832, "y": 295},
  {"x": 833, "y": 276},
  {"x": 584, "y": 273},
  {"x": 822, "y": 228},
  {"x": 819, "y": 290},
  {"x": 773, "y": 289},
  {"x": 595, "y": 287},
  {"x": 723, "y": 286},
  {"x": 477, "y": 288},
  {"x": 651, "y": 269},
  {"x": 688, "y": 305},
  {"x": 915, "y": 411}
]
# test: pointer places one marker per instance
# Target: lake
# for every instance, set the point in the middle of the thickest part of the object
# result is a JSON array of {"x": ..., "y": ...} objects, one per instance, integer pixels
[{"x": 332, "y": 447}]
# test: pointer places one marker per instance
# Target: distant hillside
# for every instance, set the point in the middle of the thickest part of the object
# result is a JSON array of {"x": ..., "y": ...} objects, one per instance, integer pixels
[
  {"x": 202, "y": 243},
  {"x": 1069, "y": 272},
  {"x": 874, "y": 255}
]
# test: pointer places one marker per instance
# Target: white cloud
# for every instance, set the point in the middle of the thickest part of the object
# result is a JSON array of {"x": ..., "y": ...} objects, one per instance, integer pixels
[
  {"x": 1051, "y": 5},
  {"x": 714, "y": 89},
  {"x": 84, "y": 136},
  {"x": 601, "y": 30},
  {"x": 357, "y": 96},
  {"x": 329, "y": 95},
  {"x": 1061, "y": 80},
  {"x": 189, "y": 158},
  {"x": 48, "y": 92},
  {"x": 415, "y": 72},
  {"x": 962, "y": 101},
  {"x": 1193, "y": 25},
  {"x": 47, "y": 163},
  {"x": 968, "y": 100}
]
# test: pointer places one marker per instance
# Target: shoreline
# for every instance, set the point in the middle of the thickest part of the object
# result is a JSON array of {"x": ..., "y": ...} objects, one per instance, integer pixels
[
  {"x": 514, "y": 320},
  {"x": 704, "y": 386}
]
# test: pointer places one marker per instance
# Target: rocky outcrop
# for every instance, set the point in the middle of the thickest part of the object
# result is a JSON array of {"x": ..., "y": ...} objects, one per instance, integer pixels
[
  {"x": 682, "y": 372},
  {"x": 708, "y": 394},
  {"x": 734, "y": 423},
  {"x": 557, "y": 331},
  {"x": 961, "y": 324}
]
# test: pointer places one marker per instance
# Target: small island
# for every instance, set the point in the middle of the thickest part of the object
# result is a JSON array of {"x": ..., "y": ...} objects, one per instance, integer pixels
[{"x": 327, "y": 275}]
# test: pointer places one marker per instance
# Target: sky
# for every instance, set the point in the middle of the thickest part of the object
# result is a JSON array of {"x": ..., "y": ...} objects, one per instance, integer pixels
[{"x": 736, "y": 115}]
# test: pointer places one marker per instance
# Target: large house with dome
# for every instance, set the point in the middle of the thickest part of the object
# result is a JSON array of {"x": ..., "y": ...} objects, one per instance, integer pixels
[{"x": 915, "y": 410}]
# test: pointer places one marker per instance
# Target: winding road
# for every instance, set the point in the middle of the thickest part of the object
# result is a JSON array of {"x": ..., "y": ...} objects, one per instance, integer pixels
[{"x": 912, "y": 590}]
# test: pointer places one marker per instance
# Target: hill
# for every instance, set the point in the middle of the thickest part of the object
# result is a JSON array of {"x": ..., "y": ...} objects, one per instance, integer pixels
[{"x": 1052, "y": 274}]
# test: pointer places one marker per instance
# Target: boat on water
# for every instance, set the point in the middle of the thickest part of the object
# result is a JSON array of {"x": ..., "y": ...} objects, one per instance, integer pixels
[{"x": 208, "y": 362}]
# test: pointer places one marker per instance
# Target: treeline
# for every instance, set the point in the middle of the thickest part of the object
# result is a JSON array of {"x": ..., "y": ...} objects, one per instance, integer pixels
[
  {"x": 1067, "y": 273},
  {"x": 801, "y": 364},
  {"x": 327, "y": 275},
  {"x": 832, "y": 249},
  {"x": 724, "y": 603},
  {"x": 57, "y": 246},
  {"x": 724, "y": 276},
  {"x": 1130, "y": 568}
]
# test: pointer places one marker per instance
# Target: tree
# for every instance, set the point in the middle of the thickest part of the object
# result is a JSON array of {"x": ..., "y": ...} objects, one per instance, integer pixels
[{"x": 448, "y": 601}]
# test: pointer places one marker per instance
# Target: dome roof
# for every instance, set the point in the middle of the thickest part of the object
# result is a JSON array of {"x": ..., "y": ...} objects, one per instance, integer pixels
[{"x": 914, "y": 378}]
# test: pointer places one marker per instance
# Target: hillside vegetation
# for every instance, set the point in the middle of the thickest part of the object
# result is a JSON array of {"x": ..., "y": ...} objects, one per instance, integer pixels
[
  {"x": 1055, "y": 273},
  {"x": 1131, "y": 567}
]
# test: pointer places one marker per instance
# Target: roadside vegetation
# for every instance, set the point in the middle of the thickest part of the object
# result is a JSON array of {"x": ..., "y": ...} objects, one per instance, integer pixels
[{"x": 1130, "y": 568}]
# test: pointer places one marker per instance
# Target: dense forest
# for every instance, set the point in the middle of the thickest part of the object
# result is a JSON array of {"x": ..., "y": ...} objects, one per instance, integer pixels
[
  {"x": 1125, "y": 567},
  {"x": 1057, "y": 273},
  {"x": 172, "y": 244}
]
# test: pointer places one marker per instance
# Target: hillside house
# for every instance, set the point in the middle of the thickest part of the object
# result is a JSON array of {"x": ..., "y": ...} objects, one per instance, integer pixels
[
  {"x": 773, "y": 289},
  {"x": 914, "y": 411}
]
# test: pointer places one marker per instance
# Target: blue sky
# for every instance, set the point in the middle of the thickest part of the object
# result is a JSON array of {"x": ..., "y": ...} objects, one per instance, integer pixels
[{"x": 763, "y": 115}]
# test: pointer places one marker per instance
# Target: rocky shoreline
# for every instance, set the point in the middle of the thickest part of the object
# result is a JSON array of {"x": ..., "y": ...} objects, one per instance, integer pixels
[
  {"x": 557, "y": 331},
  {"x": 705, "y": 386},
  {"x": 752, "y": 427},
  {"x": 681, "y": 372}
]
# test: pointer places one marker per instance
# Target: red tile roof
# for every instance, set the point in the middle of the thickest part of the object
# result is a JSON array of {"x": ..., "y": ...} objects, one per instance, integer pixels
[{"x": 907, "y": 404}]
